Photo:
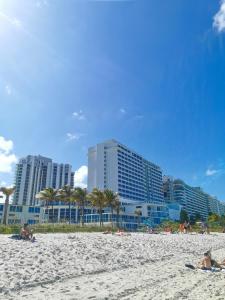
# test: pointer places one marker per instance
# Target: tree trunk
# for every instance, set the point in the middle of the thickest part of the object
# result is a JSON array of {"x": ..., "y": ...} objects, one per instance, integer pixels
[
  {"x": 52, "y": 214},
  {"x": 112, "y": 216},
  {"x": 6, "y": 210},
  {"x": 117, "y": 219},
  {"x": 82, "y": 215},
  {"x": 100, "y": 218},
  {"x": 69, "y": 213}
]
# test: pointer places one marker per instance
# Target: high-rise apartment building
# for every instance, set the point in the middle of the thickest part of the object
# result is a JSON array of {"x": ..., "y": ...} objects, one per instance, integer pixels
[
  {"x": 34, "y": 173},
  {"x": 192, "y": 199},
  {"x": 112, "y": 165},
  {"x": 215, "y": 206}
]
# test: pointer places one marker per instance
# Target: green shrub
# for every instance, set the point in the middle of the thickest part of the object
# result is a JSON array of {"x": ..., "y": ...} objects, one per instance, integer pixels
[{"x": 54, "y": 228}]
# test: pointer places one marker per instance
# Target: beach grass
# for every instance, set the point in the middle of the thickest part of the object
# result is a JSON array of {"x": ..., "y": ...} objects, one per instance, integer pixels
[{"x": 54, "y": 228}]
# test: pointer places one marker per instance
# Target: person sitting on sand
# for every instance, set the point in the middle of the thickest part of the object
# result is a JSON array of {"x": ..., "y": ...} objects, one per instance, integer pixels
[
  {"x": 26, "y": 233},
  {"x": 205, "y": 263},
  {"x": 208, "y": 262}
]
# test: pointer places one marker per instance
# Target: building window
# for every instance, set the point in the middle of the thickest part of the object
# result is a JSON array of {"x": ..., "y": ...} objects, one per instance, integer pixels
[{"x": 31, "y": 209}]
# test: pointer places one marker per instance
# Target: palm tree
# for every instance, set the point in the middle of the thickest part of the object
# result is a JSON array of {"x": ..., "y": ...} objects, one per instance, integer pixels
[
  {"x": 138, "y": 213},
  {"x": 118, "y": 209},
  {"x": 97, "y": 199},
  {"x": 67, "y": 194},
  {"x": 80, "y": 197},
  {"x": 111, "y": 201},
  {"x": 49, "y": 195},
  {"x": 7, "y": 192}
]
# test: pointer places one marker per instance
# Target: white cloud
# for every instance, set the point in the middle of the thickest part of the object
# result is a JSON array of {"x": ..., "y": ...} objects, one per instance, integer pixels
[
  {"x": 73, "y": 136},
  {"x": 5, "y": 146},
  {"x": 3, "y": 183},
  {"x": 7, "y": 158},
  {"x": 211, "y": 172},
  {"x": 80, "y": 177},
  {"x": 219, "y": 18},
  {"x": 8, "y": 89},
  {"x": 79, "y": 115}
]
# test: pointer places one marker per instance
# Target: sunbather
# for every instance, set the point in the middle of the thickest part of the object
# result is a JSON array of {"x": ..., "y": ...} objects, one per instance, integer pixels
[
  {"x": 206, "y": 263},
  {"x": 26, "y": 233}
]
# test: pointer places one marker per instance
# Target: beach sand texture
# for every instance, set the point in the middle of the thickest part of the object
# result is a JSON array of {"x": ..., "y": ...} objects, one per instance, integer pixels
[{"x": 97, "y": 266}]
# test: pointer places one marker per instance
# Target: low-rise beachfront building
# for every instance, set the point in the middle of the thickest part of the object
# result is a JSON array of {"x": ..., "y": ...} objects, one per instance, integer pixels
[
  {"x": 151, "y": 214},
  {"x": 174, "y": 210},
  {"x": 20, "y": 214}
]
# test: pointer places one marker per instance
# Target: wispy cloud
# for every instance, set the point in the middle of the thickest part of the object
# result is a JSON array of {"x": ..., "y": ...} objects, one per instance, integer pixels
[
  {"x": 74, "y": 136},
  {"x": 194, "y": 177},
  {"x": 79, "y": 115},
  {"x": 41, "y": 3},
  {"x": 219, "y": 18},
  {"x": 138, "y": 117},
  {"x": 211, "y": 172},
  {"x": 8, "y": 89},
  {"x": 80, "y": 177},
  {"x": 16, "y": 23},
  {"x": 7, "y": 157},
  {"x": 122, "y": 111},
  {"x": 130, "y": 116}
]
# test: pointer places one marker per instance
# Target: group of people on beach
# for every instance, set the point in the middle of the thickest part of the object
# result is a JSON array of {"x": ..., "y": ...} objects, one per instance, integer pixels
[{"x": 186, "y": 227}]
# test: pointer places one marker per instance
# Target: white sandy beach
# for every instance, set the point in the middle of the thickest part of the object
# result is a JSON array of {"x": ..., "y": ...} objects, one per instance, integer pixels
[{"x": 97, "y": 266}]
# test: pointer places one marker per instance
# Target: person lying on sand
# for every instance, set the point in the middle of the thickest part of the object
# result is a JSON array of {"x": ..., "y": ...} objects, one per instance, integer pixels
[
  {"x": 26, "y": 233},
  {"x": 121, "y": 232}
]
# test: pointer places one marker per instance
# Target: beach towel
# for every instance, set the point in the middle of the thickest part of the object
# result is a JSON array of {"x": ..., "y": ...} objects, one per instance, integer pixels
[
  {"x": 18, "y": 237},
  {"x": 203, "y": 270}
]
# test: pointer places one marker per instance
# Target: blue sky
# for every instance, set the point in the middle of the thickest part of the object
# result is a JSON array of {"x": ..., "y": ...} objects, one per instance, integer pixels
[{"x": 148, "y": 73}]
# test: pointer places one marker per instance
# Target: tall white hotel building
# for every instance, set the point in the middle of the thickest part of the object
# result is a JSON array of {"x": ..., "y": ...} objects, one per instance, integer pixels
[
  {"x": 35, "y": 173},
  {"x": 113, "y": 166}
]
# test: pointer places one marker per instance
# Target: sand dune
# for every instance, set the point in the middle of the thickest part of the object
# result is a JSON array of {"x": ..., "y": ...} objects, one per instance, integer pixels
[{"x": 97, "y": 266}]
